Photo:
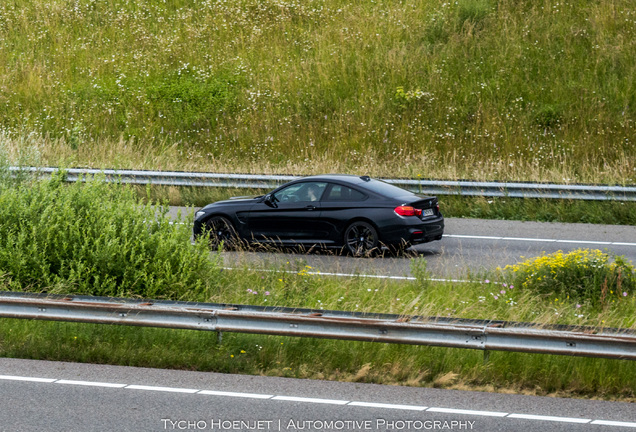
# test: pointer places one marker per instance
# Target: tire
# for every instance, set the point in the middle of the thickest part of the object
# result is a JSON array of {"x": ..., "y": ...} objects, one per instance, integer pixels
[
  {"x": 361, "y": 239},
  {"x": 221, "y": 232}
]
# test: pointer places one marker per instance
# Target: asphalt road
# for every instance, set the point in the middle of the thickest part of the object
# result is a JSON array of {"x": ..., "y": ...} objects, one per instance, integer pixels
[
  {"x": 469, "y": 245},
  {"x": 55, "y": 396}
]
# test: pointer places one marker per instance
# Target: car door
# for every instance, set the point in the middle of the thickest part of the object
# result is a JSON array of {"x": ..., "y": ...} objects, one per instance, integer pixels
[
  {"x": 290, "y": 214},
  {"x": 340, "y": 204}
]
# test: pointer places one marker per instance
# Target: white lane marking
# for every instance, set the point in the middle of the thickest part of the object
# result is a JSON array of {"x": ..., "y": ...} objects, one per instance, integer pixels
[
  {"x": 351, "y": 275},
  {"x": 325, "y": 401},
  {"x": 602, "y": 243},
  {"x": 163, "y": 389},
  {"x": 317, "y": 273},
  {"x": 469, "y": 412},
  {"x": 411, "y": 278},
  {"x": 613, "y": 423},
  {"x": 388, "y": 406},
  {"x": 90, "y": 383},
  {"x": 19, "y": 378},
  {"x": 526, "y": 239},
  {"x": 472, "y": 237},
  {"x": 310, "y": 400},
  {"x": 550, "y": 418},
  {"x": 234, "y": 394},
  {"x": 542, "y": 240}
]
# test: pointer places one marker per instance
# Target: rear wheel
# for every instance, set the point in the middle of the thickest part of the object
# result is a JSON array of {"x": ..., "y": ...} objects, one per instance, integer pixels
[
  {"x": 222, "y": 231},
  {"x": 361, "y": 239}
]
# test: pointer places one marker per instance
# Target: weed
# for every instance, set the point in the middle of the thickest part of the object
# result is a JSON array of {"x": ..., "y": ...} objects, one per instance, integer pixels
[
  {"x": 95, "y": 238},
  {"x": 587, "y": 276}
]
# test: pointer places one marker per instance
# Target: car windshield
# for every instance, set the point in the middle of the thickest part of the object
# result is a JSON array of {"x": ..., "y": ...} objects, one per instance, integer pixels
[{"x": 385, "y": 189}]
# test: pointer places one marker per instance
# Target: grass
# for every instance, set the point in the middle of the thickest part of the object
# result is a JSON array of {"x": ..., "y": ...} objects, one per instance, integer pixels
[
  {"x": 99, "y": 239},
  {"x": 290, "y": 285},
  {"x": 95, "y": 238},
  {"x": 542, "y": 210},
  {"x": 485, "y": 90},
  {"x": 321, "y": 359},
  {"x": 532, "y": 91}
]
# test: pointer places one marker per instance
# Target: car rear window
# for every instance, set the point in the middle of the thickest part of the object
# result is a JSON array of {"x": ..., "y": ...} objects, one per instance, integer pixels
[
  {"x": 385, "y": 189},
  {"x": 344, "y": 193}
]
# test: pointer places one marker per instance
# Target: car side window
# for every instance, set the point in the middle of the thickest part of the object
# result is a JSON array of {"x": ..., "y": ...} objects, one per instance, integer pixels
[
  {"x": 344, "y": 193},
  {"x": 305, "y": 191}
]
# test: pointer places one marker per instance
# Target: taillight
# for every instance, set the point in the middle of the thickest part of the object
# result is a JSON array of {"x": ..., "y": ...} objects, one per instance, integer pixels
[{"x": 408, "y": 211}]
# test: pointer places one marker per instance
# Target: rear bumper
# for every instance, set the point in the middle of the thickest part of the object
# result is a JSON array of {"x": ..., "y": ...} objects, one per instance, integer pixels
[{"x": 415, "y": 231}]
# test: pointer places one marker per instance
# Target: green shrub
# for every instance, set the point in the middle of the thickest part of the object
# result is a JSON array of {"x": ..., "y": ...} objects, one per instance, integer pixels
[
  {"x": 98, "y": 239},
  {"x": 548, "y": 117},
  {"x": 185, "y": 101},
  {"x": 583, "y": 274},
  {"x": 472, "y": 11}
]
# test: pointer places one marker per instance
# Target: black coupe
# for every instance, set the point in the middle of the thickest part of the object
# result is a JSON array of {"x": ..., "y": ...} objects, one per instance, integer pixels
[{"x": 360, "y": 214}]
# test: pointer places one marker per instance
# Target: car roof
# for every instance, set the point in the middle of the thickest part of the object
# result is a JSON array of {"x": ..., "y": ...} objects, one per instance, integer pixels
[
  {"x": 367, "y": 183},
  {"x": 346, "y": 178}
]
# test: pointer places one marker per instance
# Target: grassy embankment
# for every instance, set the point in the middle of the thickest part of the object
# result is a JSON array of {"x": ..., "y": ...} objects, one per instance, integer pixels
[
  {"x": 533, "y": 91},
  {"x": 353, "y": 361},
  {"x": 530, "y": 90},
  {"x": 98, "y": 239}
]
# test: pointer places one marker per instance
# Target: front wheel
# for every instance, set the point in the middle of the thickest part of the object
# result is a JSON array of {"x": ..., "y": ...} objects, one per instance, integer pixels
[
  {"x": 221, "y": 231},
  {"x": 361, "y": 239}
]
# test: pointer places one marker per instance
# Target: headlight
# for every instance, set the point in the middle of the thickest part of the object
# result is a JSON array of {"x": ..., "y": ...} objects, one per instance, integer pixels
[{"x": 199, "y": 214}]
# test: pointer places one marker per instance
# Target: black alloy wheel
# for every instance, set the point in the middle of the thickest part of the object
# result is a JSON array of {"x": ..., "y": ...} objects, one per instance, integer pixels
[
  {"x": 221, "y": 231},
  {"x": 361, "y": 239}
]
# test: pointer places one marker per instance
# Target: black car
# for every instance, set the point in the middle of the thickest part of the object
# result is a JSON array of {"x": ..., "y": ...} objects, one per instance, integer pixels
[{"x": 360, "y": 214}]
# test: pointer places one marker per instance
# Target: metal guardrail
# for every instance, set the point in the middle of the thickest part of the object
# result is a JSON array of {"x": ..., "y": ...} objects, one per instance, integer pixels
[
  {"x": 385, "y": 328},
  {"x": 431, "y": 187}
]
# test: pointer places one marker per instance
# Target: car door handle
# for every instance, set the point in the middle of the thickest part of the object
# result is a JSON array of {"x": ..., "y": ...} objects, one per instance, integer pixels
[{"x": 311, "y": 207}]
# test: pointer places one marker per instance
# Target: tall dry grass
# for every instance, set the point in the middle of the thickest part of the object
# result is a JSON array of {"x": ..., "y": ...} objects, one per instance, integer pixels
[{"x": 468, "y": 89}]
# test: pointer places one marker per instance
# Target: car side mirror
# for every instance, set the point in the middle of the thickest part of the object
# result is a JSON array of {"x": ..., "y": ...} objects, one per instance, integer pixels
[{"x": 271, "y": 200}]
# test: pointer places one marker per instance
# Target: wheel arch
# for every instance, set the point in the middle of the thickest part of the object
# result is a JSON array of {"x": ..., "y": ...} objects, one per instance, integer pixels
[
  {"x": 218, "y": 213},
  {"x": 203, "y": 223}
]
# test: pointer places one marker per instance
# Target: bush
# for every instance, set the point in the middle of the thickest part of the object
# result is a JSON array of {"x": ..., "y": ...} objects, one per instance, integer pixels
[
  {"x": 98, "y": 239},
  {"x": 472, "y": 11},
  {"x": 583, "y": 274},
  {"x": 548, "y": 117}
]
